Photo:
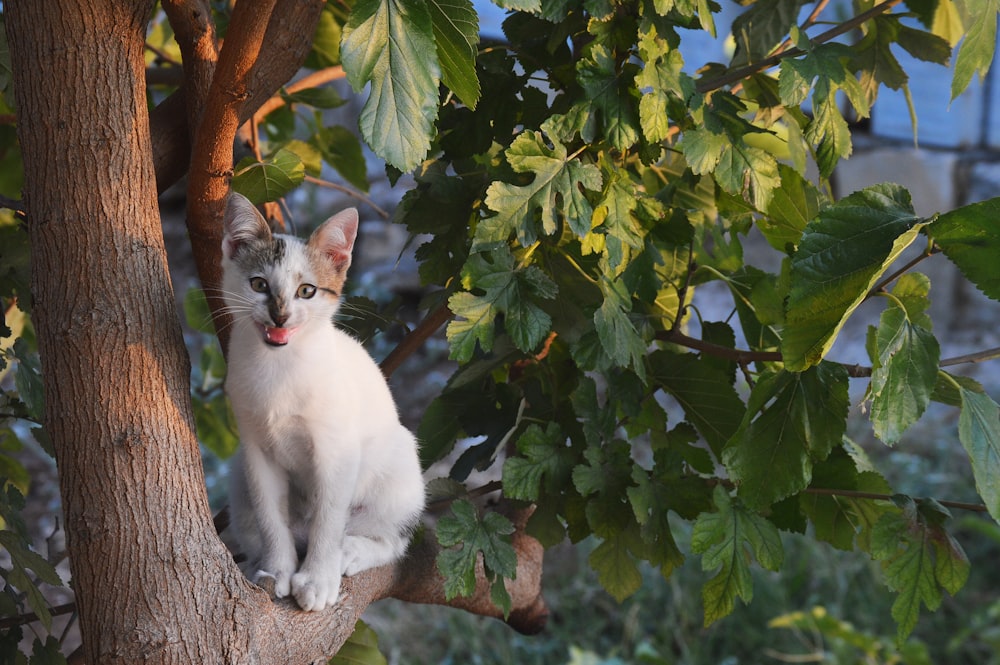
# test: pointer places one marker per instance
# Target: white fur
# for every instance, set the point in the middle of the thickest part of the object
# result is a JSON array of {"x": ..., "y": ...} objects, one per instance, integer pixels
[{"x": 324, "y": 461}]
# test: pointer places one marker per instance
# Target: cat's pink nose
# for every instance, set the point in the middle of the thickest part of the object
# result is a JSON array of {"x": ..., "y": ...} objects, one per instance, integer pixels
[{"x": 279, "y": 319}]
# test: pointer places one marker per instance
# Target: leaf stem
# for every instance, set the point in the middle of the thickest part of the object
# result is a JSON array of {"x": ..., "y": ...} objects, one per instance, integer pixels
[
  {"x": 881, "y": 286},
  {"x": 580, "y": 270}
]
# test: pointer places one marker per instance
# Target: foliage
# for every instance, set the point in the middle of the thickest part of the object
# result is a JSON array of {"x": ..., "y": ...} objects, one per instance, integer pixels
[{"x": 578, "y": 182}]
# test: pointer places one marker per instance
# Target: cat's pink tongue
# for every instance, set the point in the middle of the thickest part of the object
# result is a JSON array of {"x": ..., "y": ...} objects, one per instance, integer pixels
[{"x": 278, "y": 336}]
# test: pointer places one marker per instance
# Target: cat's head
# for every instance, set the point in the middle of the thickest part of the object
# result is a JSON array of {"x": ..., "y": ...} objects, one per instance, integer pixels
[{"x": 279, "y": 283}]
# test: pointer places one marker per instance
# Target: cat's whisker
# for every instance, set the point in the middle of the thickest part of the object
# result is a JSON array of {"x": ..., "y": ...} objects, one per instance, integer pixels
[{"x": 360, "y": 312}]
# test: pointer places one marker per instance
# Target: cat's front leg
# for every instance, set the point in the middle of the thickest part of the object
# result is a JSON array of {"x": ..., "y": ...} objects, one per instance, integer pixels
[
  {"x": 317, "y": 584},
  {"x": 268, "y": 490}
]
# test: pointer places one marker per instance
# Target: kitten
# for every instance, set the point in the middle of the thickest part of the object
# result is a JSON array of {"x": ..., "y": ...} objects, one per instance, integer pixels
[{"x": 325, "y": 467}]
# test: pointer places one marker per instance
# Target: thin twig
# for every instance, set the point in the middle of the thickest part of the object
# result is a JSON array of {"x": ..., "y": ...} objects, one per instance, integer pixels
[
  {"x": 977, "y": 357},
  {"x": 875, "y": 496},
  {"x": 742, "y": 356},
  {"x": 162, "y": 55},
  {"x": 12, "y": 204},
  {"x": 717, "y": 350},
  {"x": 881, "y": 286},
  {"x": 20, "y": 620},
  {"x": 488, "y": 488},
  {"x": 415, "y": 339},
  {"x": 313, "y": 80},
  {"x": 808, "y": 23},
  {"x": 350, "y": 192}
]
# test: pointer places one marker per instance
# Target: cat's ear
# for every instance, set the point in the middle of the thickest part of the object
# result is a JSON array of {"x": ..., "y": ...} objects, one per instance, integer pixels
[
  {"x": 335, "y": 238},
  {"x": 242, "y": 223}
]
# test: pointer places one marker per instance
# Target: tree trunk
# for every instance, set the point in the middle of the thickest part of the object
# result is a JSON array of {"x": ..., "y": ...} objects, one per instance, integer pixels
[{"x": 116, "y": 372}]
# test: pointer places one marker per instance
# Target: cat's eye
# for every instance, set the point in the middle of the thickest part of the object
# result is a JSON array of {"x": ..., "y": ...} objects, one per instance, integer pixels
[
  {"x": 306, "y": 291},
  {"x": 258, "y": 284}
]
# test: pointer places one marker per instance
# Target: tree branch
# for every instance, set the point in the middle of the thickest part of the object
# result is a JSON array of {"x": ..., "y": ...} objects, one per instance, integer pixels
[
  {"x": 742, "y": 356},
  {"x": 283, "y": 52},
  {"x": 313, "y": 636},
  {"x": 12, "y": 204},
  {"x": 212, "y": 156},
  {"x": 191, "y": 21},
  {"x": 875, "y": 496},
  {"x": 349, "y": 192},
  {"x": 770, "y": 61},
  {"x": 313, "y": 80},
  {"x": 413, "y": 341}
]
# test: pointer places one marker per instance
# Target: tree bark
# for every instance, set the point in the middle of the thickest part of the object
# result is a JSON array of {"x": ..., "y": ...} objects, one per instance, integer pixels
[{"x": 116, "y": 373}]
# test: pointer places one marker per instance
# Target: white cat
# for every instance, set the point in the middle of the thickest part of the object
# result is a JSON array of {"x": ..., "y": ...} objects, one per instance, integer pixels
[{"x": 325, "y": 467}]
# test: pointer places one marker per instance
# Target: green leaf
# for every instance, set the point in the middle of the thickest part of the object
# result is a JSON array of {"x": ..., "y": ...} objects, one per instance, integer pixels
[
  {"x": 312, "y": 160},
  {"x": 875, "y": 59},
  {"x": 467, "y": 535},
  {"x": 792, "y": 206},
  {"x": 390, "y": 44},
  {"x": 610, "y": 95},
  {"x": 618, "y": 336},
  {"x": 554, "y": 190},
  {"x": 904, "y": 374},
  {"x": 615, "y": 216},
  {"x": 661, "y": 79},
  {"x": 506, "y": 290},
  {"x": 912, "y": 291},
  {"x": 717, "y": 146},
  {"x": 758, "y": 30},
  {"x": 341, "y": 149},
  {"x": 215, "y": 424},
  {"x": 325, "y": 42},
  {"x": 456, "y": 31},
  {"x": 841, "y": 256},
  {"x": 722, "y": 538},
  {"x": 325, "y": 97},
  {"x": 827, "y": 66},
  {"x": 918, "y": 558},
  {"x": 705, "y": 393},
  {"x": 793, "y": 420},
  {"x": 28, "y": 379},
  {"x": 970, "y": 237},
  {"x": 979, "y": 432},
  {"x": 976, "y": 51},
  {"x": 843, "y": 520},
  {"x": 361, "y": 648},
  {"x": 23, "y": 559},
  {"x": 545, "y": 458},
  {"x": 473, "y": 324},
  {"x": 47, "y": 653},
  {"x": 615, "y": 566},
  {"x": 531, "y": 6},
  {"x": 925, "y": 46},
  {"x": 270, "y": 179}
]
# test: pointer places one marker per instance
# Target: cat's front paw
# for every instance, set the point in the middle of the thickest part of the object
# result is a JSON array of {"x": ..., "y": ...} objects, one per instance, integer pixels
[
  {"x": 315, "y": 592},
  {"x": 277, "y": 585},
  {"x": 354, "y": 559}
]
